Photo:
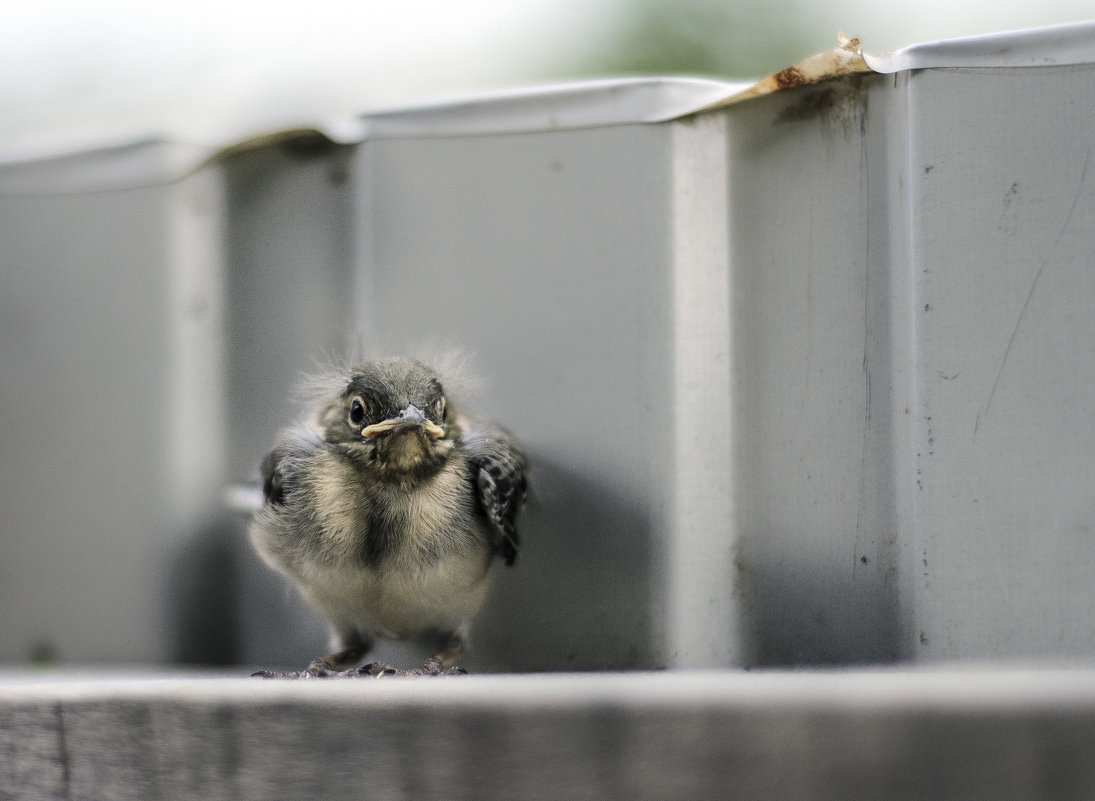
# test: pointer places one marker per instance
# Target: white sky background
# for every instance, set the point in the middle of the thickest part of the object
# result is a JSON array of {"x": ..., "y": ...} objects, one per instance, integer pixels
[{"x": 77, "y": 74}]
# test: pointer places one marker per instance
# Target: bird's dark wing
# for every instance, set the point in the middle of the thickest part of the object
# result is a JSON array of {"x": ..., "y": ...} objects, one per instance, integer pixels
[
  {"x": 280, "y": 466},
  {"x": 501, "y": 483},
  {"x": 273, "y": 481}
]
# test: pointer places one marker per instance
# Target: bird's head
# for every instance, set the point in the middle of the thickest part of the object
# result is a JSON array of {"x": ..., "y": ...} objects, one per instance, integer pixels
[{"x": 393, "y": 419}]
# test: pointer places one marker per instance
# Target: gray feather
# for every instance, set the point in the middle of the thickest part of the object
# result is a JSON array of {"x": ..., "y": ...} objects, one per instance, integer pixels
[{"x": 501, "y": 484}]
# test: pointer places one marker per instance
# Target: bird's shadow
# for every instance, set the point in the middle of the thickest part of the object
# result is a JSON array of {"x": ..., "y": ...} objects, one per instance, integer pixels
[{"x": 581, "y": 595}]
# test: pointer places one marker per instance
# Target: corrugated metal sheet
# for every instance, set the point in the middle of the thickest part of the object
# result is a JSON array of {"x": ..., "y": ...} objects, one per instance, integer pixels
[{"x": 799, "y": 375}]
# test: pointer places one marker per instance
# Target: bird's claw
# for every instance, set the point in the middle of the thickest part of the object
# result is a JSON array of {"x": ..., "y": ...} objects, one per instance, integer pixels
[
  {"x": 321, "y": 669},
  {"x": 432, "y": 667},
  {"x": 435, "y": 667}
]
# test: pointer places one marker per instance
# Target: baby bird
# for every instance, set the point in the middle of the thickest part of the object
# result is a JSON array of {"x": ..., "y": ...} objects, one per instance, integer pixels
[{"x": 386, "y": 510}]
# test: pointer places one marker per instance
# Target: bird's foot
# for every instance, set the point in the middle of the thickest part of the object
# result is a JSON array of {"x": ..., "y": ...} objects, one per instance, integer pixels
[
  {"x": 435, "y": 667},
  {"x": 432, "y": 667},
  {"x": 322, "y": 669},
  {"x": 371, "y": 670}
]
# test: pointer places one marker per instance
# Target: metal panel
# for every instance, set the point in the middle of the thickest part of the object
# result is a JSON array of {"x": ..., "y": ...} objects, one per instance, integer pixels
[
  {"x": 288, "y": 219},
  {"x": 586, "y": 270},
  {"x": 1003, "y": 213},
  {"x": 912, "y": 400},
  {"x": 112, "y": 433},
  {"x": 812, "y": 362}
]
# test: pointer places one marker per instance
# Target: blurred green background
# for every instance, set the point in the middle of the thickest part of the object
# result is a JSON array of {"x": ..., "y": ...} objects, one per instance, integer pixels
[
  {"x": 743, "y": 39},
  {"x": 76, "y": 73}
]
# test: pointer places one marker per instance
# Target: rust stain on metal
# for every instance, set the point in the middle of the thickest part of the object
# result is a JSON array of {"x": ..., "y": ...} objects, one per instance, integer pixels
[
  {"x": 790, "y": 78},
  {"x": 845, "y": 60},
  {"x": 811, "y": 105},
  {"x": 843, "y": 101}
]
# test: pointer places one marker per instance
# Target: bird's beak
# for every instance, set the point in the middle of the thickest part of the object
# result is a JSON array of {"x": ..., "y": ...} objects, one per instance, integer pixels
[{"x": 411, "y": 417}]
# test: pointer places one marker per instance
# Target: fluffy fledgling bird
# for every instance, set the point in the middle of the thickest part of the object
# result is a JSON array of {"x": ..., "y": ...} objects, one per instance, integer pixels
[{"x": 386, "y": 508}]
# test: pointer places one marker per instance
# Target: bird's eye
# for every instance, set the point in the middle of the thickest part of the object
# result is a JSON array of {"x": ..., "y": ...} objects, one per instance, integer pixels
[
  {"x": 357, "y": 412},
  {"x": 439, "y": 407}
]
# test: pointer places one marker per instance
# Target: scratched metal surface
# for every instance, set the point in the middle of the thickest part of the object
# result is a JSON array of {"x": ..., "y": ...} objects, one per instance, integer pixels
[
  {"x": 1002, "y": 432},
  {"x": 913, "y": 413}
]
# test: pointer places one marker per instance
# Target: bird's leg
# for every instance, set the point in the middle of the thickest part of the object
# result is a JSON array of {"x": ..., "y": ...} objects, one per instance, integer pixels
[
  {"x": 443, "y": 663},
  {"x": 452, "y": 648},
  {"x": 439, "y": 665},
  {"x": 435, "y": 667},
  {"x": 327, "y": 667},
  {"x": 336, "y": 663},
  {"x": 348, "y": 656}
]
